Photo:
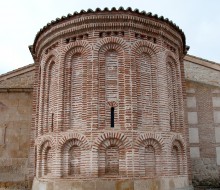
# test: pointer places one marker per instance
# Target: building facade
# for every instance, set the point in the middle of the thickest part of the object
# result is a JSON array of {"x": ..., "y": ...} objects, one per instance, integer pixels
[{"x": 107, "y": 96}]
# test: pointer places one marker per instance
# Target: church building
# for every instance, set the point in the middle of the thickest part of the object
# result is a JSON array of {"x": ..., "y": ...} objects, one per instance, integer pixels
[{"x": 112, "y": 102}]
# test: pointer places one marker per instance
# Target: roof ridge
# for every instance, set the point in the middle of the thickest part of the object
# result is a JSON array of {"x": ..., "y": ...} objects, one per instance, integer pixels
[
  {"x": 203, "y": 62},
  {"x": 4, "y": 76},
  {"x": 213, "y": 62}
]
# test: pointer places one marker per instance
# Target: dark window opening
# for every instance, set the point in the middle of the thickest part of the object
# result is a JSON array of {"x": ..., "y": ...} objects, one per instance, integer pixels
[
  {"x": 52, "y": 122},
  {"x": 171, "y": 120},
  {"x": 112, "y": 117}
]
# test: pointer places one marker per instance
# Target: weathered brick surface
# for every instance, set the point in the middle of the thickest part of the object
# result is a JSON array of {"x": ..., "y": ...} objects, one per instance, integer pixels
[
  {"x": 81, "y": 72},
  {"x": 205, "y": 168},
  {"x": 115, "y": 64}
]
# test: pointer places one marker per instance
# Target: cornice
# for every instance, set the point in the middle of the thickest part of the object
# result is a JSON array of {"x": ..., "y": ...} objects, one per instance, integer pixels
[
  {"x": 16, "y": 72},
  {"x": 54, "y": 25},
  {"x": 203, "y": 62}
]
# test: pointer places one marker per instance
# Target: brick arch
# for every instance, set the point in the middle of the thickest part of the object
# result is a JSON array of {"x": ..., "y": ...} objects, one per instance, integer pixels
[
  {"x": 112, "y": 135},
  {"x": 148, "y": 154},
  {"x": 111, "y": 46},
  {"x": 144, "y": 46},
  {"x": 45, "y": 153},
  {"x": 177, "y": 149},
  {"x": 69, "y": 49},
  {"x": 172, "y": 57},
  {"x": 110, "y": 40},
  {"x": 180, "y": 139},
  {"x": 53, "y": 54},
  {"x": 158, "y": 139},
  {"x": 68, "y": 136},
  {"x": 112, "y": 149},
  {"x": 40, "y": 141},
  {"x": 76, "y": 146}
]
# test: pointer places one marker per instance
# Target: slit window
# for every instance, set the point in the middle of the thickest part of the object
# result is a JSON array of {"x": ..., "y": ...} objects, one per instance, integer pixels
[
  {"x": 112, "y": 117},
  {"x": 52, "y": 118}
]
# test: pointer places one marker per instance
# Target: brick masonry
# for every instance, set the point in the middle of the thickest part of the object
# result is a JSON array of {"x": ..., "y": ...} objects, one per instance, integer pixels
[
  {"x": 203, "y": 92},
  {"x": 124, "y": 67},
  {"x": 120, "y": 62}
]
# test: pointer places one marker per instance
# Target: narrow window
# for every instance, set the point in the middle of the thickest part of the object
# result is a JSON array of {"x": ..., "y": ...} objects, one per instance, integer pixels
[
  {"x": 112, "y": 117},
  {"x": 52, "y": 122}
]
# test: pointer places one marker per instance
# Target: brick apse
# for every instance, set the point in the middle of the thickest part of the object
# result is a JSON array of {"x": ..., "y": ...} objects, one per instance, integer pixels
[{"x": 109, "y": 103}]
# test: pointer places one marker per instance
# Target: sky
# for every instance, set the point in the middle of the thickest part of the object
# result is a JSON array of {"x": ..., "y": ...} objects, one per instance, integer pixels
[{"x": 20, "y": 20}]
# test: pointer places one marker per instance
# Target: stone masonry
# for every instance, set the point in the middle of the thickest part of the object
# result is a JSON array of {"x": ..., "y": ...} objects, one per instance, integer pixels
[
  {"x": 15, "y": 120},
  {"x": 202, "y": 109}
]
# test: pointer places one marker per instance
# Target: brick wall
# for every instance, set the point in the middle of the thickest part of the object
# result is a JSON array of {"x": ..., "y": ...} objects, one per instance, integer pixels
[
  {"x": 202, "y": 108},
  {"x": 83, "y": 76}
]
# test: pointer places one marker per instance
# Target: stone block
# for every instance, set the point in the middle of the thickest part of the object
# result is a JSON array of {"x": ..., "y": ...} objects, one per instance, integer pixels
[
  {"x": 194, "y": 152},
  {"x": 192, "y": 118},
  {"x": 216, "y": 91},
  {"x": 191, "y": 102},
  {"x": 190, "y": 90},
  {"x": 216, "y": 116},
  {"x": 218, "y": 155},
  {"x": 217, "y": 134},
  {"x": 147, "y": 184},
  {"x": 193, "y": 135},
  {"x": 88, "y": 185},
  {"x": 124, "y": 185},
  {"x": 109, "y": 185},
  {"x": 216, "y": 101}
]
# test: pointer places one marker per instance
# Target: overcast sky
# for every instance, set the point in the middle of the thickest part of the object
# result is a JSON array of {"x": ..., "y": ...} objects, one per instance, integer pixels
[{"x": 21, "y": 20}]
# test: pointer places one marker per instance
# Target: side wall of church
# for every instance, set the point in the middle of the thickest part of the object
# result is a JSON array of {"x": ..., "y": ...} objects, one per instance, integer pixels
[
  {"x": 15, "y": 124},
  {"x": 203, "y": 115}
]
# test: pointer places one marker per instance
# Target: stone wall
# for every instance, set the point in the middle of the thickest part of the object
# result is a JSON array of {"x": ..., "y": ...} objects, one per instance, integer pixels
[
  {"x": 203, "y": 113},
  {"x": 15, "y": 121}
]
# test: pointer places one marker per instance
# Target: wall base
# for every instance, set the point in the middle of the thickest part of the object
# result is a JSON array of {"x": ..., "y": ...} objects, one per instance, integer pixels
[{"x": 171, "y": 183}]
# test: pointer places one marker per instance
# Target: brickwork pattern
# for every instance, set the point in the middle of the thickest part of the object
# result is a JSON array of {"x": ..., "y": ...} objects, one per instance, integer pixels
[
  {"x": 113, "y": 64},
  {"x": 203, "y": 132}
]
